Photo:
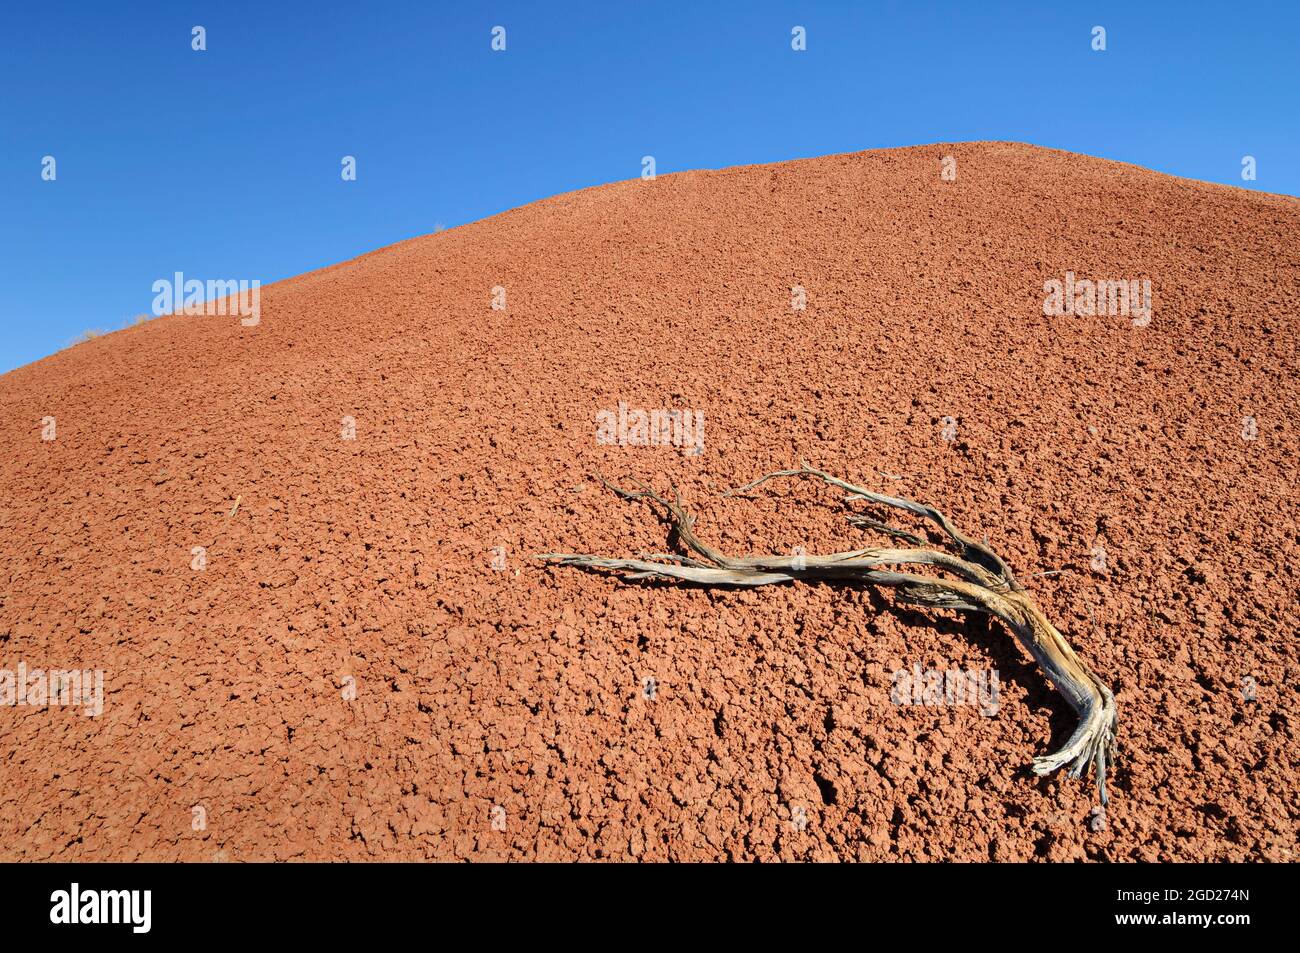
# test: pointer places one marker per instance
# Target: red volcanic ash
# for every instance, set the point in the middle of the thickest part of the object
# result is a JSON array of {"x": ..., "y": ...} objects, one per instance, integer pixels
[{"x": 299, "y": 551}]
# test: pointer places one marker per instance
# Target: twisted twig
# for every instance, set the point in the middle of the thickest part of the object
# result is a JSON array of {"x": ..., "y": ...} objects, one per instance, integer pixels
[{"x": 984, "y": 583}]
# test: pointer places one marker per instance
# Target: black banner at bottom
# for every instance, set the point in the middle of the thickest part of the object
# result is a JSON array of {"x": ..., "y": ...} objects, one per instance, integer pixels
[{"x": 335, "y": 902}]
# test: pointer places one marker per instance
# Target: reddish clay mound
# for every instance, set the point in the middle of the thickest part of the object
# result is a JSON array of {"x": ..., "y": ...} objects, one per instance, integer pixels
[{"x": 771, "y": 732}]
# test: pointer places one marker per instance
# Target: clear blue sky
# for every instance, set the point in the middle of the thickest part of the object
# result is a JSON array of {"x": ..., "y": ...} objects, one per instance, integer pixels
[{"x": 226, "y": 163}]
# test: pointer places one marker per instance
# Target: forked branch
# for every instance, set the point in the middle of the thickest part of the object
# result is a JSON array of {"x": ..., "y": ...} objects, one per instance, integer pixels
[{"x": 983, "y": 583}]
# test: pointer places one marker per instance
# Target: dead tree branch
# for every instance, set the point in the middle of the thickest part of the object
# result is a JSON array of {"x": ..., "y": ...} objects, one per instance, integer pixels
[{"x": 983, "y": 583}]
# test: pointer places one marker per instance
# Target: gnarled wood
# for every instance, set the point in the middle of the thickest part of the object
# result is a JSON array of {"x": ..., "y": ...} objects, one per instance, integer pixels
[{"x": 984, "y": 583}]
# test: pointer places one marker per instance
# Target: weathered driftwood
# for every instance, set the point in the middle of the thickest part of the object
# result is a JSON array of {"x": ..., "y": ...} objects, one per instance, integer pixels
[{"x": 983, "y": 583}]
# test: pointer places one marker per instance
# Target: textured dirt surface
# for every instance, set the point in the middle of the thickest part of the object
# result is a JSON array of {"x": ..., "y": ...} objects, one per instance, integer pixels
[{"x": 502, "y": 713}]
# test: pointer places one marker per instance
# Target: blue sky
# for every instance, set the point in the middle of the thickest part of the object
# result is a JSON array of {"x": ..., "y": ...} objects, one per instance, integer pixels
[{"x": 226, "y": 163}]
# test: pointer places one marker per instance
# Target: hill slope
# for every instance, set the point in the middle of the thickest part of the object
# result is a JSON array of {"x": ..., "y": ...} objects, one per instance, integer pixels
[{"x": 504, "y": 712}]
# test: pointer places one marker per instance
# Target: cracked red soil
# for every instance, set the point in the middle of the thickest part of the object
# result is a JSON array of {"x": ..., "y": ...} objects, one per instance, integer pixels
[{"x": 771, "y": 733}]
